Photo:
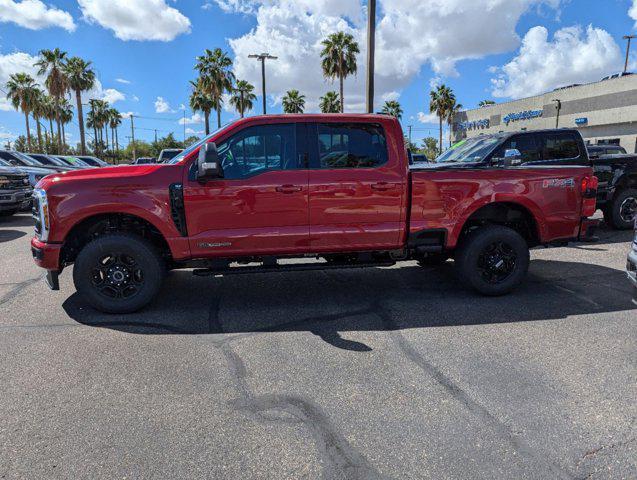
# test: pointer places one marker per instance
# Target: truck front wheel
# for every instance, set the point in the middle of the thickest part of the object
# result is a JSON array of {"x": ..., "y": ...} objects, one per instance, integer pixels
[
  {"x": 492, "y": 260},
  {"x": 118, "y": 273}
]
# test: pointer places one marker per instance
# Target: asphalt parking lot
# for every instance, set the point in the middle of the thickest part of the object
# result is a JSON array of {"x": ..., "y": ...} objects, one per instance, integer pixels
[{"x": 377, "y": 373}]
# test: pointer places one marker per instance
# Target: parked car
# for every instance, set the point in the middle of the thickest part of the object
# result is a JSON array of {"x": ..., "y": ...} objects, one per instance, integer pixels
[
  {"x": 35, "y": 170},
  {"x": 74, "y": 161},
  {"x": 419, "y": 158},
  {"x": 617, "y": 191},
  {"x": 144, "y": 160},
  {"x": 595, "y": 151},
  {"x": 167, "y": 154},
  {"x": 93, "y": 161},
  {"x": 631, "y": 265},
  {"x": 51, "y": 161},
  {"x": 15, "y": 191},
  {"x": 337, "y": 187}
]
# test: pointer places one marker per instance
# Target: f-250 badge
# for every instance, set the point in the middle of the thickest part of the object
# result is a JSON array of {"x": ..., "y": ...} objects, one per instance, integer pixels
[{"x": 559, "y": 182}]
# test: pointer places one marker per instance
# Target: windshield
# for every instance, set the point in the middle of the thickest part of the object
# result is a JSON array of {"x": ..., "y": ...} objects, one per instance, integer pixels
[
  {"x": 4, "y": 163},
  {"x": 76, "y": 162},
  {"x": 193, "y": 147},
  {"x": 473, "y": 150},
  {"x": 27, "y": 160}
]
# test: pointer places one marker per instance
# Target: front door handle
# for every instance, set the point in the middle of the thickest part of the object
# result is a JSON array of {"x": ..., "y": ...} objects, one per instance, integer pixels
[
  {"x": 383, "y": 186},
  {"x": 289, "y": 189}
]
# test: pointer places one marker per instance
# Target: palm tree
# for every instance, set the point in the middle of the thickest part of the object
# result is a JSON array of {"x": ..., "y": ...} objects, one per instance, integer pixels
[
  {"x": 114, "y": 121},
  {"x": 243, "y": 97},
  {"x": 393, "y": 108},
  {"x": 66, "y": 116},
  {"x": 51, "y": 64},
  {"x": 216, "y": 76},
  {"x": 339, "y": 58},
  {"x": 48, "y": 112},
  {"x": 98, "y": 117},
  {"x": 452, "y": 111},
  {"x": 81, "y": 78},
  {"x": 21, "y": 91},
  {"x": 293, "y": 102},
  {"x": 485, "y": 103},
  {"x": 330, "y": 103},
  {"x": 200, "y": 101},
  {"x": 39, "y": 111},
  {"x": 440, "y": 103}
]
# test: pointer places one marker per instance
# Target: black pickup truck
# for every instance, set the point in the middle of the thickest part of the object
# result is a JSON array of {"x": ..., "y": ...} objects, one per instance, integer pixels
[
  {"x": 15, "y": 191},
  {"x": 617, "y": 191}
]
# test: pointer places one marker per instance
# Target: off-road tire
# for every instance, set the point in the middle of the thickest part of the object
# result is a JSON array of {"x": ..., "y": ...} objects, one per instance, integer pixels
[
  {"x": 616, "y": 215},
  {"x": 91, "y": 281},
  {"x": 475, "y": 254}
]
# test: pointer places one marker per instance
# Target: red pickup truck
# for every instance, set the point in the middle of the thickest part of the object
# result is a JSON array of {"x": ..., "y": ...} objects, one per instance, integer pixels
[{"x": 336, "y": 191}]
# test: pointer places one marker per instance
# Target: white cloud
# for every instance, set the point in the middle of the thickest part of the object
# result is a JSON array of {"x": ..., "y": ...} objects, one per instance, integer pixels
[
  {"x": 428, "y": 118},
  {"x": 410, "y": 35},
  {"x": 136, "y": 19},
  {"x": 573, "y": 55},
  {"x": 196, "y": 119},
  {"x": 127, "y": 114},
  {"x": 111, "y": 95},
  {"x": 190, "y": 131},
  {"x": 35, "y": 15},
  {"x": 162, "y": 106},
  {"x": 123, "y": 81},
  {"x": 632, "y": 13},
  {"x": 135, "y": 98}
]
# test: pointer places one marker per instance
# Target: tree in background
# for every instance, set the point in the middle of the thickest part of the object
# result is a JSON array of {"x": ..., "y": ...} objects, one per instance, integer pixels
[
  {"x": 452, "y": 110},
  {"x": 430, "y": 147},
  {"x": 393, "y": 108},
  {"x": 51, "y": 64},
  {"x": 114, "y": 121},
  {"x": 215, "y": 75},
  {"x": 65, "y": 115},
  {"x": 38, "y": 112},
  {"x": 21, "y": 92},
  {"x": 330, "y": 103},
  {"x": 21, "y": 144},
  {"x": 200, "y": 101},
  {"x": 191, "y": 140},
  {"x": 441, "y": 100},
  {"x": 339, "y": 59},
  {"x": 81, "y": 78},
  {"x": 293, "y": 102},
  {"x": 485, "y": 103},
  {"x": 243, "y": 97}
]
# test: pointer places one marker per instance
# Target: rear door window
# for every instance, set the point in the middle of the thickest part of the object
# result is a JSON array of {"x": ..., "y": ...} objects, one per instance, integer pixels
[
  {"x": 353, "y": 145},
  {"x": 559, "y": 147},
  {"x": 527, "y": 145}
]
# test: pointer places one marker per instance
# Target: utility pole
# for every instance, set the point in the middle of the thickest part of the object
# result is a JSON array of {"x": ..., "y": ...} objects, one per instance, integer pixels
[
  {"x": 629, "y": 38},
  {"x": 558, "y": 106},
  {"x": 184, "y": 128},
  {"x": 409, "y": 127},
  {"x": 262, "y": 57},
  {"x": 155, "y": 135},
  {"x": 132, "y": 129},
  {"x": 371, "y": 45}
]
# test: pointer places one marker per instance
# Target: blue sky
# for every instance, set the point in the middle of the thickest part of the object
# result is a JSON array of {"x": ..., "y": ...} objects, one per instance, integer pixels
[{"x": 144, "y": 50}]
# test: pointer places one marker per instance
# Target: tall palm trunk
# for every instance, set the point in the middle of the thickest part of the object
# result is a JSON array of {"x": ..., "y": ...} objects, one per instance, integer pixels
[
  {"x": 207, "y": 117},
  {"x": 106, "y": 136},
  {"x": 57, "y": 120},
  {"x": 37, "y": 123},
  {"x": 80, "y": 118},
  {"x": 341, "y": 81},
  {"x": 96, "y": 139},
  {"x": 219, "y": 117},
  {"x": 440, "y": 144},
  {"x": 242, "y": 106},
  {"x": 63, "y": 139},
  {"x": 26, "y": 118},
  {"x": 116, "y": 147},
  {"x": 112, "y": 139}
]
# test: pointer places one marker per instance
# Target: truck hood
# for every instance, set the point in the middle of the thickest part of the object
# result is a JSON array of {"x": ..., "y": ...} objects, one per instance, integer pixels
[{"x": 101, "y": 174}]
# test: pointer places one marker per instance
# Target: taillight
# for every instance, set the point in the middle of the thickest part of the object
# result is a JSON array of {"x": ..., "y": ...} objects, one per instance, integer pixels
[{"x": 589, "y": 194}]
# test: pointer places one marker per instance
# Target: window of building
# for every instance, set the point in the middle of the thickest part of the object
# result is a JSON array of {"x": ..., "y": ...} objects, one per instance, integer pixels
[
  {"x": 257, "y": 150},
  {"x": 351, "y": 146}
]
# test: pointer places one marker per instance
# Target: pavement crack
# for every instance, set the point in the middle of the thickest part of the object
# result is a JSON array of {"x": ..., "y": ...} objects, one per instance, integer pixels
[{"x": 17, "y": 289}]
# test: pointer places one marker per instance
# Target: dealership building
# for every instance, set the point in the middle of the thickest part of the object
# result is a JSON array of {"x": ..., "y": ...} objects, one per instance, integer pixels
[{"x": 604, "y": 112}]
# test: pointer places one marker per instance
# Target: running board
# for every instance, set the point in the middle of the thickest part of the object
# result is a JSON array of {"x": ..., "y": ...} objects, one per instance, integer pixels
[{"x": 301, "y": 267}]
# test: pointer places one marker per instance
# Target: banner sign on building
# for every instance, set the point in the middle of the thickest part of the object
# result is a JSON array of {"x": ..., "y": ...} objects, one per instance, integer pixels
[
  {"x": 526, "y": 115},
  {"x": 471, "y": 125}
]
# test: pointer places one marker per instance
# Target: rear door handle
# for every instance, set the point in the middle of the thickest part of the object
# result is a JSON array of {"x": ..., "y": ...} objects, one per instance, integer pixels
[
  {"x": 289, "y": 188},
  {"x": 383, "y": 186}
]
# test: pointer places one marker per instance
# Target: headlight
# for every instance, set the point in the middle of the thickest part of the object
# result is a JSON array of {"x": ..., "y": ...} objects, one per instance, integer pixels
[{"x": 41, "y": 214}]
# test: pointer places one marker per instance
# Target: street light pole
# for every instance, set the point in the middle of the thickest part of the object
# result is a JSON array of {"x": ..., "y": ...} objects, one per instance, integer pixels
[
  {"x": 629, "y": 38},
  {"x": 558, "y": 106},
  {"x": 262, "y": 57},
  {"x": 132, "y": 129},
  {"x": 371, "y": 45}
]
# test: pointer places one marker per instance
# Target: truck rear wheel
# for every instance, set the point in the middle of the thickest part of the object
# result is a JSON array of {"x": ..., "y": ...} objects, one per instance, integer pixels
[
  {"x": 623, "y": 209},
  {"x": 492, "y": 260},
  {"x": 118, "y": 273}
]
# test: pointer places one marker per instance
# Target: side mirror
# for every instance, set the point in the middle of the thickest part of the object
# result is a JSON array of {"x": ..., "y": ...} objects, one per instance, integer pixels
[
  {"x": 512, "y": 157},
  {"x": 208, "y": 165}
]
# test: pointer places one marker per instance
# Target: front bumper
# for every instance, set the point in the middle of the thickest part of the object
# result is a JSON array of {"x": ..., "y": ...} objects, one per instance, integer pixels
[
  {"x": 46, "y": 255},
  {"x": 12, "y": 200}
]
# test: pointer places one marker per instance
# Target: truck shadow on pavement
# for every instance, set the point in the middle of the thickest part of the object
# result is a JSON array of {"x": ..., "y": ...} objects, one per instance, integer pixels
[
  {"x": 7, "y": 235},
  {"x": 327, "y": 303}
]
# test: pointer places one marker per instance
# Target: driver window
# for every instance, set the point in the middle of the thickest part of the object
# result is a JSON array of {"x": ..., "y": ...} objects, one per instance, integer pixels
[
  {"x": 258, "y": 149},
  {"x": 525, "y": 144}
]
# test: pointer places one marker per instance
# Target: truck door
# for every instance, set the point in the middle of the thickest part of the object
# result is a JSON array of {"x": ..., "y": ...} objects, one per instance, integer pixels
[
  {"x": 260, "y": 206},
  {"x": 357, "y": 188}
]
